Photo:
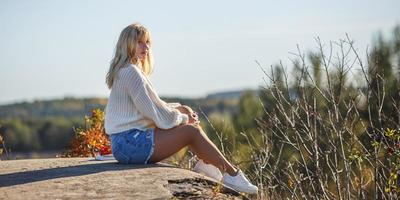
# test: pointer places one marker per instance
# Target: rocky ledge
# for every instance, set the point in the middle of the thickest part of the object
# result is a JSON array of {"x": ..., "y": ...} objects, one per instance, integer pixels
[{"x": 86, "y": 178}]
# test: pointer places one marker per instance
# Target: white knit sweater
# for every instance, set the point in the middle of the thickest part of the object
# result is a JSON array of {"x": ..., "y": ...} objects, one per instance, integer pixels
[{"x": 133, "y": 103}]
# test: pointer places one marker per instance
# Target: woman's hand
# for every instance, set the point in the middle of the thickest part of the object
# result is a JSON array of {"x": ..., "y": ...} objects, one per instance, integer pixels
[
  {"x": 193, "y": 117},
  {"x": 185, "y": 109}
]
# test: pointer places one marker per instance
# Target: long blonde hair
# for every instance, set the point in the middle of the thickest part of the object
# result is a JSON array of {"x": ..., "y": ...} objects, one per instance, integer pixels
[{"x": 125, "y": 52}]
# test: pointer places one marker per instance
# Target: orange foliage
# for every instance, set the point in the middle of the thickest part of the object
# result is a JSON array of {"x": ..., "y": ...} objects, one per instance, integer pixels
[
  {"x": 92, "y": 140},
  {"x": 1, "y": 142}
]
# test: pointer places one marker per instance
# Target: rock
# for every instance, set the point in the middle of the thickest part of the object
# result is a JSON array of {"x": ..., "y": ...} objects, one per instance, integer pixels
[{"x": 86, "y": 178}]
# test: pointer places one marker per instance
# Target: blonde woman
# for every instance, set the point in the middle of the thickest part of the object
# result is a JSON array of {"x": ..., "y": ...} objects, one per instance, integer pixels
[{"x": 143, "y": 128}]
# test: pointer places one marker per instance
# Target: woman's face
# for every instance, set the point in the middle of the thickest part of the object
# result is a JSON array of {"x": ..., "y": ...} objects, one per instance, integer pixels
[{"x": 142, "y": 49}]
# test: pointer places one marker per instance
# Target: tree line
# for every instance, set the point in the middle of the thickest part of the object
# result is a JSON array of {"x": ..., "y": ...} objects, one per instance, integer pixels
[{"x": 49, "y": 125}]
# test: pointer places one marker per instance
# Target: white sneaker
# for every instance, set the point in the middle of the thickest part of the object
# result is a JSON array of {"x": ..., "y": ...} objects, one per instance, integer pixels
[
  {"x": 207, "y": 170},
  {"x": 239, "y": 183}
]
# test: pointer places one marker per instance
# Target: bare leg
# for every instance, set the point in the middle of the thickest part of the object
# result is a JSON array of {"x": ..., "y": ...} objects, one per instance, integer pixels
[{"x": 168, "y": 142}]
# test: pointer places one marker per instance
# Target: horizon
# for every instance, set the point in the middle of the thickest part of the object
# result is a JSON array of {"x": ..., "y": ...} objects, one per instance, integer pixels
[
  {"x": 69, "y": 45},
  {"x": 105, "y": 97}
]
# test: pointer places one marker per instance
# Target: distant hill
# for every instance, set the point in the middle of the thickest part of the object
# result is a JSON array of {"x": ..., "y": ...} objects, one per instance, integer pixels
[
  {"x": 228, "y": 94},
  {"x": 67, "y": 107},
  {"x": 70, "y": 107},
  {"x": 48, "y": 125}
]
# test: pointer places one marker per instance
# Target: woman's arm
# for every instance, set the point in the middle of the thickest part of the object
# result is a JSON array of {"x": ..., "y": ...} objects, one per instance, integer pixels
[
  {"x": 148, "y": 103},
  {"x": 185, "y": 110},
  {"x": 173, "y": 105}
]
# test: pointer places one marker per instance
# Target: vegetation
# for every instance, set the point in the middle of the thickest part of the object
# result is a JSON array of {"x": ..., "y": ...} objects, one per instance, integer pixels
[
  {"x": 37, "y": 134},
  {"x": 3, "y": 149},
  {"x": 50, "y": 125},
  {"x": 329, "y": 131},
  {"x": 92, "y": 140}
]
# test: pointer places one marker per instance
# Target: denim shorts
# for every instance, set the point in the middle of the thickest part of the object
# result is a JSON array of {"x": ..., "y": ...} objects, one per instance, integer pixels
[{"x": 133, "y": 146}]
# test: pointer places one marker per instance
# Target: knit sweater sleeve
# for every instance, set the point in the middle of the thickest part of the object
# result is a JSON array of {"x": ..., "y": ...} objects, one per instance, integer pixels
[
  {"x": 148, "y": 103},
  {"x": 173, "y": 105}
]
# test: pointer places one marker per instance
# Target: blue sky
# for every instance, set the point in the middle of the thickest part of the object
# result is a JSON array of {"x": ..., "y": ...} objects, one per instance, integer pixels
[{"x": 53, "y": 48}]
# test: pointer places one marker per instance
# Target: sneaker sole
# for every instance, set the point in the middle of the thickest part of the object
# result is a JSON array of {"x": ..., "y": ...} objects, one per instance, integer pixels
[{"x": 241, "y": 189}]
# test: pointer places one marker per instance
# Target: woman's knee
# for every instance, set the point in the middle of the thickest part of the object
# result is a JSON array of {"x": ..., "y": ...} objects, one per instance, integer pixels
[{"x": 194, "y": 131}]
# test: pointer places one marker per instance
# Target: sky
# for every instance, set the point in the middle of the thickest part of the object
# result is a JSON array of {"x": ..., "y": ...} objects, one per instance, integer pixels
[{"x": 54, "y": 49}]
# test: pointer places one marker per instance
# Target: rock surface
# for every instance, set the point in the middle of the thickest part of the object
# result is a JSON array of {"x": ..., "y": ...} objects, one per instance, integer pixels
[{"x": 86, "y": 178}]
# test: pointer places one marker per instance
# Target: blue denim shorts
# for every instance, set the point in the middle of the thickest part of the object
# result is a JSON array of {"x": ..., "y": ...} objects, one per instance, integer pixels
[{"x": 133, "y": 146}]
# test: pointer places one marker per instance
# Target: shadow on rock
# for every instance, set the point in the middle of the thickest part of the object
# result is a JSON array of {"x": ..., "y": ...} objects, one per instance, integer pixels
[{"x": 18, "y": 178}]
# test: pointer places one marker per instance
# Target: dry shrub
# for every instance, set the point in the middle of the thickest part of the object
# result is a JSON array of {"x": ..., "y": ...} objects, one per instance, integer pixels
[{"x": 92, "y": 140}]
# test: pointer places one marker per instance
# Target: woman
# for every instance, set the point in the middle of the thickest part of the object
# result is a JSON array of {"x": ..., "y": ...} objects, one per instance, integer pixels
[{"x": 143, "y": 128}]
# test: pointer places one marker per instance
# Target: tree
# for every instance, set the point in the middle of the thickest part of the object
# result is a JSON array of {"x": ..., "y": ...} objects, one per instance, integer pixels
[{"x": 18, "y": 136}]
